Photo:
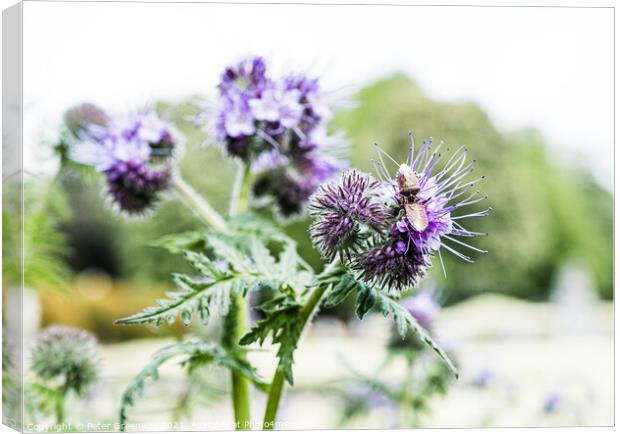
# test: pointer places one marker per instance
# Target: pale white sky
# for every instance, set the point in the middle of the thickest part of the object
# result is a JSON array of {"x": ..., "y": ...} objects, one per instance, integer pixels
[{"x": 550, "y": 68}]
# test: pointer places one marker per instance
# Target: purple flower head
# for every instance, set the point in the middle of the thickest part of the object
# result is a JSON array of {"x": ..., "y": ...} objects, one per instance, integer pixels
[
  {"x": 393, "y": 265},
  {"x": 344, "y": 208},
  {"x": 134, "y": 187},
  {"x": 235, "y": 120},
  {"x": 134, "y": 154},
  {"x": 278, "y": 105},
  {"x": 300, "y": 170},
  {"x": 278, "y": 126},
  {"x": 423, "y": 307},
  {"x": 315, "y": 109},
  {"x": 419, "y": 218},
  {"x": 427, "y": 198},
  {"x": 248, "y": 76}
]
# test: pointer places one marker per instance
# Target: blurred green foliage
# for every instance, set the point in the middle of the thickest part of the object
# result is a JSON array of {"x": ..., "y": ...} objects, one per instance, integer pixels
[
  {"x": 43, "y": 246},
  {"x": 544, "y": 213}
]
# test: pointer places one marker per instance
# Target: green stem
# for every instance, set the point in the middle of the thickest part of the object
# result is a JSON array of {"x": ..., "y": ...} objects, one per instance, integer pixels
[
  {"x": 273, "y": 400},
  {"x": 237, "y": 319},
  {"x": 197, "y": 204},
  {"x": 60, "y": 407},
  {"x": 240, "y": 200},
  {"x": 277, "y": 383}
]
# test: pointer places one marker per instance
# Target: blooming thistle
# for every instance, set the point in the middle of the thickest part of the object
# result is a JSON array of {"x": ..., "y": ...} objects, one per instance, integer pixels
[
  {"x": 66, "y": 356},
  {"x": 134, "y": 152},
  {"x": 417, "y": 219},
  {"x": 345, "y": 211},
  {"x": 279, "y": 128}
]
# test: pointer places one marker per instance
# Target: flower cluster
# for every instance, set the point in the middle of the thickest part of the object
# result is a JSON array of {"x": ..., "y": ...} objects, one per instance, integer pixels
[
  {"x": 134, "y": 152},
  {"x": 342, "y": 208},
  {"x": 279, "y": 127},
  {"x": 66, "y": 355},
  {"x": 389, "y": 229}
]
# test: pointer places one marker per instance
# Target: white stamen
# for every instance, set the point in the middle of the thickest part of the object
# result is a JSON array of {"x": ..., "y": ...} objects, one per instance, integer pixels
[{"x": 475, "y": 249}]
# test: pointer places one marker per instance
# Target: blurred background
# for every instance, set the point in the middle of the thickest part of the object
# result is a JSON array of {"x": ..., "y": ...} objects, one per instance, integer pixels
[{"x": 530, "y": 324}]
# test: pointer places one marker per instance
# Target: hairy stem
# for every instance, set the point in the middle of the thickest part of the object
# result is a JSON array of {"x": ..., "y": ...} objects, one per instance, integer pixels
[
  {"x": 237, "y": 319},
  {"x": 240, "y": 200},
  {"x": 59, "y": 407},
  {"x": 235, "y": 326},
  {"x": 277, "y": 383},
  {"x": 198, "y": 204}
]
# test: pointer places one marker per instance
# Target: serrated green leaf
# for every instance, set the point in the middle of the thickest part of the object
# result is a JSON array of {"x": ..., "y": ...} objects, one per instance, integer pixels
[
  {"x": 199, "y": 354},
  {"x": 264, "y": 263},
  {"x": 366, "y": 299},
  {"x": 405, "y": 322},
  {"x": 208, "y": 268},
  {"x": 340, "y": 291},
  {"x": 226, "y": 251},
  {"x": 282, "y": 323},
  {"x": 192, "y": 296},
  {"x": 343, "y": 284}
]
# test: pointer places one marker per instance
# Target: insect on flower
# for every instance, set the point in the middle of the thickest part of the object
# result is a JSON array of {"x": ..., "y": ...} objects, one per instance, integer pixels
[
  {"x": 409, "y": 187},
  {"x": 427, "y": 198},
  {"x": 412, "y": 216}
]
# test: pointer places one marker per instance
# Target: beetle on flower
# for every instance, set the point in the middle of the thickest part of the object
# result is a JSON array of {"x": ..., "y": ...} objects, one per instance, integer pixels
[{"x": 413, "y": 213}]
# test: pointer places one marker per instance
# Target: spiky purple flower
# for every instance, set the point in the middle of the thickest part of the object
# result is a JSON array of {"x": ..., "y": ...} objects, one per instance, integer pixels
[
  {"x": 248, "y": 76},
  {"x": 134, "y": 152},
  {"x": 278, "y": 126},
  {"x": 426, "y": 198},
  {"x": 344, "y": 209},
  {"x": 418, "y": 220},
  {"x": 133, "y": 186},
  {"x": 392, "y": 265}
]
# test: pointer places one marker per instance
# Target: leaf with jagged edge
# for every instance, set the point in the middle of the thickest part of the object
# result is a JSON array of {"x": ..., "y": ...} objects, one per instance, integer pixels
[
  {"x": 343, "y": 287},
  {"x": 344, "y": 284},
  {"x": 235, "y": 266},
  {"x": 198, "y": 354},
  {"x": 405, "y": 322},
  {"x": 282, "y": 323},
  {"x": 192, "y": 296}
]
